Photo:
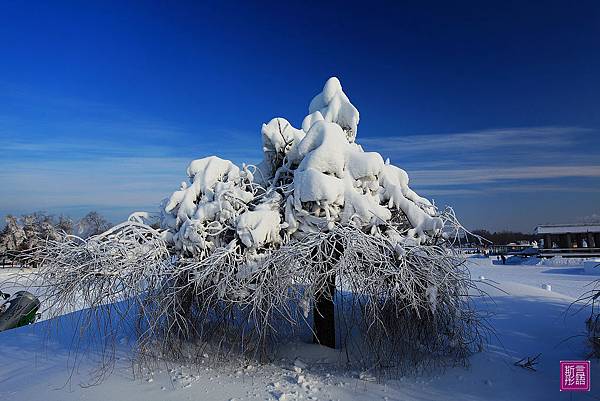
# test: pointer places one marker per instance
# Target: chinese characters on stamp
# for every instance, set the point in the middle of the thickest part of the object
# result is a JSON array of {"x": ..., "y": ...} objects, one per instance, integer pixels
[{"x": 574, "y": 375}]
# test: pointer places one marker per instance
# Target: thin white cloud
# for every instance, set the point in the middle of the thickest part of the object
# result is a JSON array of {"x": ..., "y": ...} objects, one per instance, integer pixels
[
  {"x": 488, "y": 175},
  {"x": 481, "y": 140},
  {"x": 516, "y": 188},
  {"x": 229, "y": 142},
  {"x": 456, "y": 163},
  {"x": 104, "y": 181}
]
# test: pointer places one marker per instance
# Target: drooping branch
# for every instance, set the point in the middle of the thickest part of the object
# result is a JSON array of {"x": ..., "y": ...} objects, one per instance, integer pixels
[{"x": 319, "y": 231}]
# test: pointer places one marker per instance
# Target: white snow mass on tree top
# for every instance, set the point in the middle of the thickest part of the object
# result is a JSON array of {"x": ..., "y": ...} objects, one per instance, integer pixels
[{"x": 309, "y": 180}]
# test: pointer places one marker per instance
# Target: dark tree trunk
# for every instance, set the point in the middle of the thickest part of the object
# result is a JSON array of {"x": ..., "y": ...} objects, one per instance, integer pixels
[
  {"x": 324, "y": 315},
  {"x": 324, "y": 309}
]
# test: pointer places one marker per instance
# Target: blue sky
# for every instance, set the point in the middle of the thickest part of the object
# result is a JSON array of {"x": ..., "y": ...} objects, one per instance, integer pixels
[{"x": 491, "y": 107}]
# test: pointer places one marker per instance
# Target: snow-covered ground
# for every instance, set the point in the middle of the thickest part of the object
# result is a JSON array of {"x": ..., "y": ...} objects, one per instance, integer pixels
[
  {"x": 564, "y": 279},
  {"x": 528, "y": 320}
]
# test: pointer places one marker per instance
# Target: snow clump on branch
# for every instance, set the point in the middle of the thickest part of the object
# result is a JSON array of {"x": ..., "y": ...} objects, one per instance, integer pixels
[{"x": 310, "y": 179}]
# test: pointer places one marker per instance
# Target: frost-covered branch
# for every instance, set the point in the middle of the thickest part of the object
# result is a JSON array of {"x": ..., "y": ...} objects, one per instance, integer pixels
[{"x": 244, "y": 256}]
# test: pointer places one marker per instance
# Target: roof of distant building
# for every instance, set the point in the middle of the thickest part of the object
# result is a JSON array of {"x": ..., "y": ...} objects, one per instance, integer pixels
[{"x": 568, "y": 228}]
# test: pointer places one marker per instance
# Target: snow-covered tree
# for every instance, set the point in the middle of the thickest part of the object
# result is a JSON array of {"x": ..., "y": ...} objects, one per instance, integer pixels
[
  {"x": 264, "y": 250},
  {"x": 13, "y": 235},
  {"x": 593, "y": 218},
  {"x": 92, "y": 224},
  {"x": 47, "y": 229},
  {"x": 11, "y": 239},
  {"x": 64, "y": 225},
  {"x": 31, "y": 230}
]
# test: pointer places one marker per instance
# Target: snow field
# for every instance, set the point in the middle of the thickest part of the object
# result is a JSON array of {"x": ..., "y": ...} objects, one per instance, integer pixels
[{"x": 527, "y": 319}]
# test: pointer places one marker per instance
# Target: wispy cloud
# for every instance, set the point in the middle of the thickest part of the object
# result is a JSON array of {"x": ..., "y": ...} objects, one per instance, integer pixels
[
  {"x": 460, "y": 163},
  {"x": 485, "y": 175},
  {"x": 102, "y": 182},
  {"x": 128, "y": 141},
  {"x": 483, "y": 140},
  {"x": 436, "y": 191},
  {"x": 54, "y": 126},
  {"x": 58, "y": 153},
  {"x": 94, "y": 156}
]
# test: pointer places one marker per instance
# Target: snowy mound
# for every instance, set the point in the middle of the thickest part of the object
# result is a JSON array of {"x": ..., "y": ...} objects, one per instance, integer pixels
[
  {"x": 592, "y": 266},
  {"x": 310, "y": 180}
]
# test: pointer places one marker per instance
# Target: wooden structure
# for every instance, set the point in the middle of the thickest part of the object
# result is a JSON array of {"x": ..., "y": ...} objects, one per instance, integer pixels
[{"x": 574, "y": 240}]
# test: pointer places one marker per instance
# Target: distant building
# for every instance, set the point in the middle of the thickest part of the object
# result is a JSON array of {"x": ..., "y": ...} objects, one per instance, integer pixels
[{"x": 569, "y": 239}]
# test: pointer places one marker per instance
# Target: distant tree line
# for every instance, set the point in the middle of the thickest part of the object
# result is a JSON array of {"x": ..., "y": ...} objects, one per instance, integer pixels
[
  {"x": 502, "y": 237},
  {"x": 25, "y": 232}
]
